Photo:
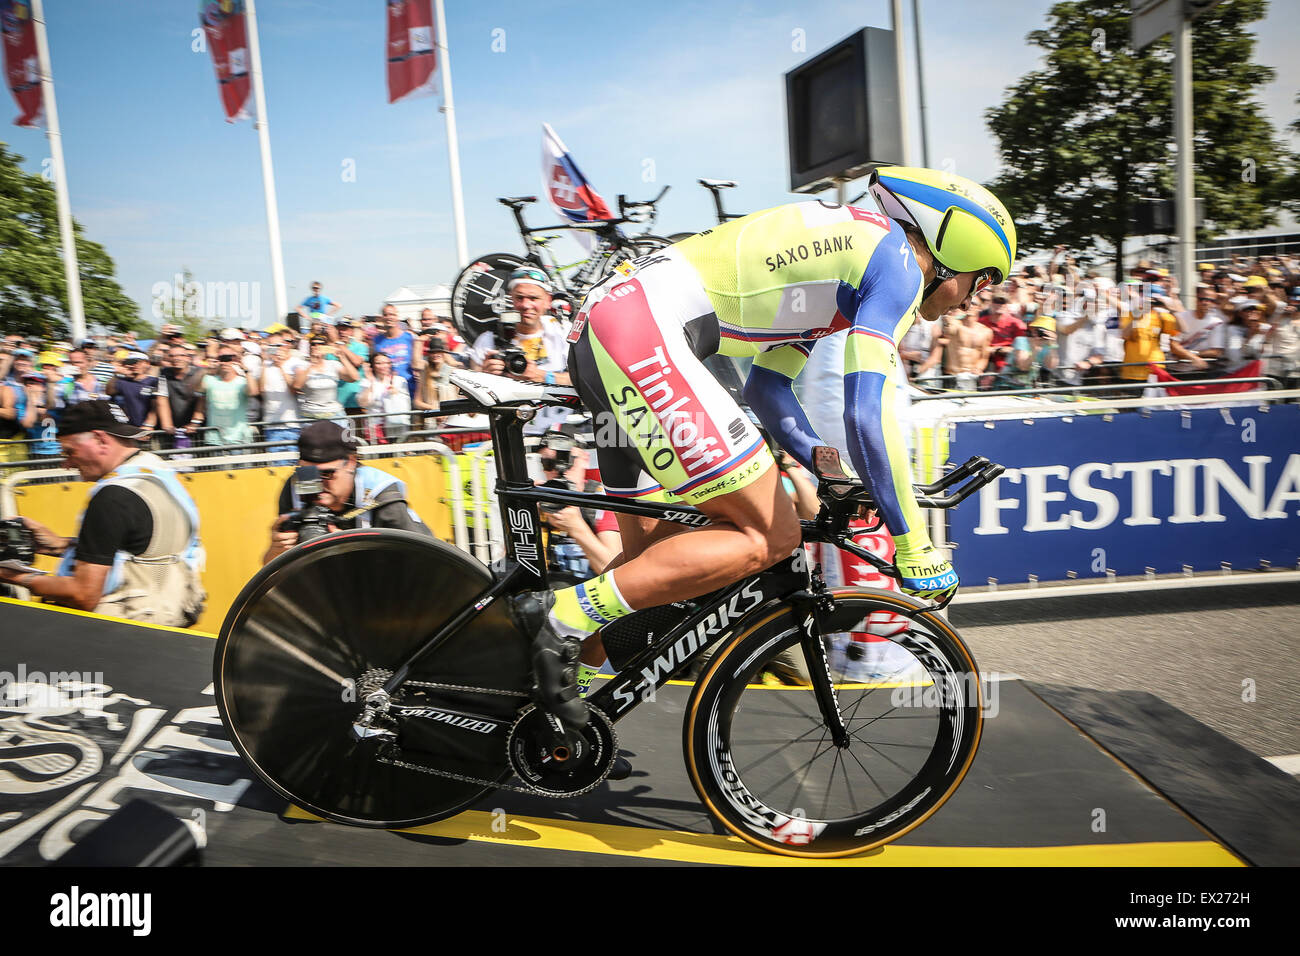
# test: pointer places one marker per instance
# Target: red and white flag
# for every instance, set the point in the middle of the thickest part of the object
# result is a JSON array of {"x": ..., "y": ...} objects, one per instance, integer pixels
[
  {"x": 412, "y": 62},
  {"x": 22, "y": 65},
  {"x": 567, "y": 189},
  {"x": 226, "y": 28}
]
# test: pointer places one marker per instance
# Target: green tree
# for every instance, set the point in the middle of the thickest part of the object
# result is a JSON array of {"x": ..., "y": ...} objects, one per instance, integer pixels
[
  {"x": 33, "y": 291},
  {"x": 1089, "y": 134}
]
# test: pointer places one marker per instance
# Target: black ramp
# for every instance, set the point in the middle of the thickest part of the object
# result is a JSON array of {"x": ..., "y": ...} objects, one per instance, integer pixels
[
  {"x": 1247, "y": 803},
  {"x": 130, "y": 715}
]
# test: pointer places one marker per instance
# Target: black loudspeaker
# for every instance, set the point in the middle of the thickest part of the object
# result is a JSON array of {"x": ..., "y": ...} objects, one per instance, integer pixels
[{"x": 139, "y": 834}]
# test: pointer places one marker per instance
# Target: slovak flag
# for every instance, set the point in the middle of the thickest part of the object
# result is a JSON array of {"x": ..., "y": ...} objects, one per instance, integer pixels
[{"x": 567, "y": 189}]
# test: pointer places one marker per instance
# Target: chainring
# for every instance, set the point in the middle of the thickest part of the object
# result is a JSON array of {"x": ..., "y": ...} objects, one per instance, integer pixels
[{"x": 528, "y": 748}]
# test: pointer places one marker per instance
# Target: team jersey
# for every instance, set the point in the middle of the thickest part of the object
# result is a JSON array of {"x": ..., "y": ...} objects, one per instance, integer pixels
[
  {"x": 768, "y": 285},
  {"x": 781, "y": 279},
  {"x": 796, "y": 273}
]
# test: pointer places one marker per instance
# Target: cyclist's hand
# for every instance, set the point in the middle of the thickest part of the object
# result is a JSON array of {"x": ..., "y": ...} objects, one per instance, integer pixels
[{"x": 926, "y": 574}]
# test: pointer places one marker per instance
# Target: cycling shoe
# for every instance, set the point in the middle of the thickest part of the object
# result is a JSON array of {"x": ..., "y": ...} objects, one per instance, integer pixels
[{"x": 555, "y": 662}]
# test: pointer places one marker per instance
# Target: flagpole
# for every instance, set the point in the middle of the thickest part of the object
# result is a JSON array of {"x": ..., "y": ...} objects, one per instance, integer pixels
[
  {"x": 268, "y": 172},
  {"x": 448, "y": 109},
  {"x": 72, "y": 274}
]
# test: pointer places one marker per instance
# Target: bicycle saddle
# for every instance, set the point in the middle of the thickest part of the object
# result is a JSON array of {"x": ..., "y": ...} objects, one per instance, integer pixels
[
  {"x": 497, "y": 391},
  {"x": 516, "y": 202},
  {"x": 716, "y": 183}
]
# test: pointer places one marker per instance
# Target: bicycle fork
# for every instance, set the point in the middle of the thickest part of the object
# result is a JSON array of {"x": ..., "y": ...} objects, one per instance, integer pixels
[{"x": 811, "y": 606}]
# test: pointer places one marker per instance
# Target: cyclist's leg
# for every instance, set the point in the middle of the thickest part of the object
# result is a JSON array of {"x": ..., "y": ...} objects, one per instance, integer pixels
[{"x": 666, "y": 427}]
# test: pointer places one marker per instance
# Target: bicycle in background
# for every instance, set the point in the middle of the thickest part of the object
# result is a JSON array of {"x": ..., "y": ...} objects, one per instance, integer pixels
[{"x": 478, "y": 296}]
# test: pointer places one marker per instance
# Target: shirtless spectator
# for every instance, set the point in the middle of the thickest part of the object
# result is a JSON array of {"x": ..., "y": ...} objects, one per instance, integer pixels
[
  {"x": 922, "y": 350},
  {"x": 968, "y": 347}
]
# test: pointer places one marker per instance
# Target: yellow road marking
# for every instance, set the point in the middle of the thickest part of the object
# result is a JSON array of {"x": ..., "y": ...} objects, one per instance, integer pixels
[
  {"x": 105, "y": 617},
  {"x": 679, "y": 846}
]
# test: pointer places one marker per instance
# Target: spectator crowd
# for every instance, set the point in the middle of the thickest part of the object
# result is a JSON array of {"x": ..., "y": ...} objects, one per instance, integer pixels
[
  {"x": 236, "y": 387},
  {"x": 1063, "y": 325},
  {"x": 1058, "y": 324}
]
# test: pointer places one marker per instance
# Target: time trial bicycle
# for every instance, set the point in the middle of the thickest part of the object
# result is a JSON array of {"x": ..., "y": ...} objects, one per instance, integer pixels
[{"x": 375, "y": 677}]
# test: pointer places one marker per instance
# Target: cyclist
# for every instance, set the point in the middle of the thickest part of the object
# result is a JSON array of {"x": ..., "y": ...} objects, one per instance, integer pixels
[{"x": 767, "y": 285}]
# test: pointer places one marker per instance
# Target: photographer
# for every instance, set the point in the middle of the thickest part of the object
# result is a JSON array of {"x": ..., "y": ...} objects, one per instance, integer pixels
[
  {"x": 137, "y": 553},
  {"x": 532, "y": 349},
  {"x": 574, "y": 547},
  {"x": 330, "y": 491}
]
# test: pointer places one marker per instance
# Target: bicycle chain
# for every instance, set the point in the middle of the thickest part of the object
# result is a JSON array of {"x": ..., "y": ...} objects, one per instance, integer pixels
[{"x": 465, "y": 778}]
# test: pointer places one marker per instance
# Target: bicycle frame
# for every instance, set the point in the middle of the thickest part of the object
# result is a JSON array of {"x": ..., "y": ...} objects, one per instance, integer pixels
[
  {"x": 523, "y": 568},
  {"x": 608, "y": 238}
]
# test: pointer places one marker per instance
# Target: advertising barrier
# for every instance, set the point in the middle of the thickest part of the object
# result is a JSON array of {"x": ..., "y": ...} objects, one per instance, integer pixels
[{"x": 1166, "y": 490}]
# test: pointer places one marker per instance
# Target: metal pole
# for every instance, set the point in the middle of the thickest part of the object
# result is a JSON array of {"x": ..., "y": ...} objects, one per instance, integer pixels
[
  {"x": 900, "y": 58},
  {"x": 1184, "y": 204},
  {"x": 71, "y": 273},
  {"x": 448, "y": 109},
  {"x": 268, "y": 172},
  {"x": 920, "y": 82}
]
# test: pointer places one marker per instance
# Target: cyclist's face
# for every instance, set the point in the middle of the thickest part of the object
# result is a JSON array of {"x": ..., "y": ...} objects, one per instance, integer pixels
[
  {"x": 951, "y": 294},
  {"x": 530, "y": 301}
]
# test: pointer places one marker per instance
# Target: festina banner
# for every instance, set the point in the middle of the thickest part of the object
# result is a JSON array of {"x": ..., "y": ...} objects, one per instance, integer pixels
[
  {"x": 224, "y": 24},
  {"x": 566, "y": 187},
  {"x": 21, "y": 62},
  {"x": 1196, "y": 487},
  {"x": 412, "y": 62}
]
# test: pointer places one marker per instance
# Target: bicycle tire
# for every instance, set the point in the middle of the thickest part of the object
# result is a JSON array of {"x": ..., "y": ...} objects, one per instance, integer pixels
[
  {"x": 325, "y": 613},
  {"x": 728, "y": 736},
  {"x": 646, "y": 244},
  {"x": 478, "y": 295}
]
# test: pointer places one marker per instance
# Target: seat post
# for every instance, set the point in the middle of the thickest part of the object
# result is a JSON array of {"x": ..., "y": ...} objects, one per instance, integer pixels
[{"x": 521, "y": 522}]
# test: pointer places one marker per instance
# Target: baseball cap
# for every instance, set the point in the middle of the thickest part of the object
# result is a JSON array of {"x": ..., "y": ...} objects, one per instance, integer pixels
[
  {"x": 324, "y": 441},
  {"x": 529, "y": 276},
  {"x": 1256, "y": 282},
  {"x": 230, "y": 335},
  {"x": 1044, "y": 322},
  {"x": 98, "y": 416},
  {"x": 135, "y": 357},
  {"x": 277, "y": 327},
  {"x": 50, "y": 358}
]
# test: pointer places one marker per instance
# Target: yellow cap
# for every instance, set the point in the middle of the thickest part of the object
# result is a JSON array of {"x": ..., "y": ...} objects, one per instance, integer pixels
[
  {"x": 1044, "y": 322},
  {"x": 1256, "y": 282}
]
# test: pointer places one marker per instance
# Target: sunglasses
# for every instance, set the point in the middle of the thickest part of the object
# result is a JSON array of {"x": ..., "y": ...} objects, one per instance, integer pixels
[
  {"x": 226, "y": 358},
  {"x": 328, "y": 473},
  {"x": 985, "y": 279}
]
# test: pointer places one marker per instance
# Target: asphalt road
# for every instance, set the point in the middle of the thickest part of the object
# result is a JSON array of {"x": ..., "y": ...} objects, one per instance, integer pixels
[{"x": 1228, "y": 656}]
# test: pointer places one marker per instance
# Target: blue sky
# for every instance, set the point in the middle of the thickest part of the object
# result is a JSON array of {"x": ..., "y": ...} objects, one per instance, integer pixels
[{"x": 643, "y": 96}]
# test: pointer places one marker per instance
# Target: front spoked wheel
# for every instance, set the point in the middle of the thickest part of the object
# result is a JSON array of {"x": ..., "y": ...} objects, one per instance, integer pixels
[{"x": 761, "y": 755}]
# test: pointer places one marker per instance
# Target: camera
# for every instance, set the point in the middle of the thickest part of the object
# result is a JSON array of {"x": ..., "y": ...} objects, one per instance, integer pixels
[
  {"x": 312, "y": 519},
  {"x": 503, "y": 333},
  {"x": 562, "y": 444},
  {"x": 17, "y": 543},
  {"x": 435, "y": 343}
]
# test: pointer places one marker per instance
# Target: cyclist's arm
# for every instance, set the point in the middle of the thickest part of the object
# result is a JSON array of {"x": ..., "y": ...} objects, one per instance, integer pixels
[
  {"x": 888, "y": 294},
  {"x": 769, "y": 392}
]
